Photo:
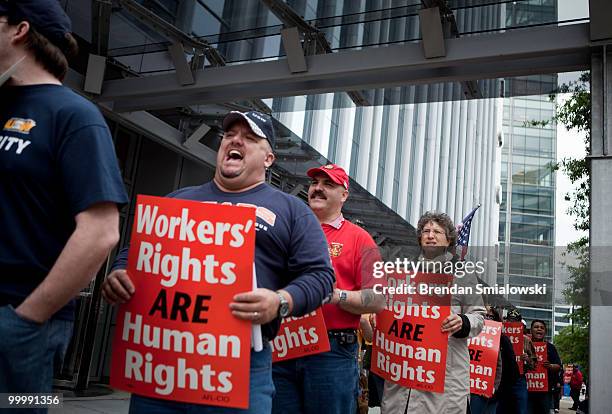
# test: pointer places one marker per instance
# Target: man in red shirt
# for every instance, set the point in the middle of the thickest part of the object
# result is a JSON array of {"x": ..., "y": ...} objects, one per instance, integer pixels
[
  {"x": 575, "y": 387},
  {"x": 327, "y": 383}
]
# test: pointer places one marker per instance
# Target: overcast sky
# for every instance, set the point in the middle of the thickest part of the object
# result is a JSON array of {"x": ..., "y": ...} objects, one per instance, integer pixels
[{"x": 569, "y": 144}]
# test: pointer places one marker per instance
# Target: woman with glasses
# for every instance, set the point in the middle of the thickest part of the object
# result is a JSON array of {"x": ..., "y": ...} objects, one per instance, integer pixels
[{"x": 437, "y": 237}]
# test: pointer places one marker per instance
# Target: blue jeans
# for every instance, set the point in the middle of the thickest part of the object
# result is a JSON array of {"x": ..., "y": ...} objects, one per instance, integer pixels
[
  {"x": 30, "y": 352},
  {"x": 517, "y": 403},
  {"x": 540, "y": 402},
  {"x": 261, "y": 391},
  {"x": 326, "y": 383},
  {"x": 482, "y": 405}
]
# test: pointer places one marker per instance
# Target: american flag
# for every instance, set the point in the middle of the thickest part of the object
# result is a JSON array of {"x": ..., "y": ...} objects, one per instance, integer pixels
[{"x": 463, "y": 238}]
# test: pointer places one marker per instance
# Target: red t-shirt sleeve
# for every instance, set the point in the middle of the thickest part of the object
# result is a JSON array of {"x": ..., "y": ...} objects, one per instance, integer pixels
[{"x": 367, "y": 254}]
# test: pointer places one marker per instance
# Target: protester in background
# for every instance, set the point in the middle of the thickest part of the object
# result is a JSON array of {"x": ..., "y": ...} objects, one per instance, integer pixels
[
  {"x": 59, "y": 190},
  {"x": 376, "y": 384},
  {"x": 435, "y": 233},
  {"x": 516, "y": 402},
  {"x": 558, "y": 391},
  {"x": 505, "y": 376},
  {"x": 583, "y": 406},
  {"x": 575, "y": 386},
  {"x": 294, "y": 274},
  {"x": 329, "y": 382},
  {"x": 541, "y": 402},
  {"x": 365, "y": 334}
]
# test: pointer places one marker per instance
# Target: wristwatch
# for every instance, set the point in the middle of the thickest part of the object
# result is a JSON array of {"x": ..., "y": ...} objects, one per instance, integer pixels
[
  {"x": 343, "y": 296},
  {"x": 283, "y": 307}
]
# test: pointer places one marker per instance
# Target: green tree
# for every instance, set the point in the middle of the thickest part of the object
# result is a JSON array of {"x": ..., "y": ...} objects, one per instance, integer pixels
[
  {"x": 575, "y": 115},
  {"x": 573, "y": 345}
]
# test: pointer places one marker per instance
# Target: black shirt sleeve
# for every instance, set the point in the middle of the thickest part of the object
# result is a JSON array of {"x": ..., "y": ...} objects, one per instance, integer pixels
[{"x": 465, "y": 327}]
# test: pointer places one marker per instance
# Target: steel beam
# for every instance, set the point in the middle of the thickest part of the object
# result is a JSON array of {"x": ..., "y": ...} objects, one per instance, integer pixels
[
  {"x": 150, "y": 126},
  {"x": 514, "y": 53},
  {"x": 293, "y": 50},
  {"x": 470, "y": 88},
  {"x": 432, "y": 33},
  {"x": 100, "y": 25},
  {"x": 181, "y": 65},
  {"x": 94, "y": 78},
  {"x": 599, "y": 16},
  {"x": 314, "y": 41},
  {"x": 177, "y": 36}
]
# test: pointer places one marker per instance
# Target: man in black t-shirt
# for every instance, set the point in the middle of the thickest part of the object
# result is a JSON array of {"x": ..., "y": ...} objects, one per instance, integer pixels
[{"x": 59, "y": 190}]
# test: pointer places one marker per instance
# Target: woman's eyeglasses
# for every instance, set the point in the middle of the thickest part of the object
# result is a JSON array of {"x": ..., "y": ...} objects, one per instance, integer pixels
[{"x": 435, "y": 232}]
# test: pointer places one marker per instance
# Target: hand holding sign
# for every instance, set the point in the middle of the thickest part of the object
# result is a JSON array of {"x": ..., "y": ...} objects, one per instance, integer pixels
[
  {"x": 537, "y": 380},
  {"x": 118, "y": 287},
  {"x": 179, "y": 340},
  {"x": 452, "y": 324},
  {"x": 258, "y": 306}
]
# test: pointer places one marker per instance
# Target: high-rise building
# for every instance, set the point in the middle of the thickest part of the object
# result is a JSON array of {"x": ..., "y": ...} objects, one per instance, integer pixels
[
  {"x": 562, "y": 310},
  {"x": 527, "y": 222},
  {"x": 443, "y": 155}
]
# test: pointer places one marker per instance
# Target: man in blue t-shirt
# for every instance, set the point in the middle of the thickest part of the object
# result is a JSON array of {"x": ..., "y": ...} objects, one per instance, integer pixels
[
  {"x": 291, "y": 259},
  {"x": 59, "y": 190}
]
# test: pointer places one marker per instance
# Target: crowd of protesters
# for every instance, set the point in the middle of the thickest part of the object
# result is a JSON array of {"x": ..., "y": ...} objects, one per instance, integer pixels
[{"x": 59, "y": 197}]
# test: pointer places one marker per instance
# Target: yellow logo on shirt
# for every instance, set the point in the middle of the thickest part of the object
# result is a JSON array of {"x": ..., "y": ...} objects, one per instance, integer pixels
[
  {"x": 335, "y": 249},
  {"x": 23, "y": 126}
]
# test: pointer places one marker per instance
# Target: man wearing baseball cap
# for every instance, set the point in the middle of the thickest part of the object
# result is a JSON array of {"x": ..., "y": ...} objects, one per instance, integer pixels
[
  {"x": 60, "y": 186},
  {"x": 292, "y": 264},
  {"x": 327, "y": 383}
]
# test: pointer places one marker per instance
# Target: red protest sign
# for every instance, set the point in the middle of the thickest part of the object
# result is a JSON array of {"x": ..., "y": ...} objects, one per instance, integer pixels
[
  {"x": 300, "y": 336},
  {"x": 484, "y": 349},
  {"x": 537, "y": 380},
  {"x": 176, "y": 338},
  {"x": 409, "y": 347},
  {"x": 514, "y": 332}
]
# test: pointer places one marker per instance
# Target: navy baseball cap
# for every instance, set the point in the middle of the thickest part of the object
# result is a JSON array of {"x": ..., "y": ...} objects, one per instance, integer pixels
[
  {"x": 46, "y": 16},
  {"x": 260, "y": 123}
]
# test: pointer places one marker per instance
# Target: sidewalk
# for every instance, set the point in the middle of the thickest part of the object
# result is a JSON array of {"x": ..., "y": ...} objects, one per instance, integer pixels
[
  {"x": 564, "y": 406},
  {"x": 118, "y": 403}
]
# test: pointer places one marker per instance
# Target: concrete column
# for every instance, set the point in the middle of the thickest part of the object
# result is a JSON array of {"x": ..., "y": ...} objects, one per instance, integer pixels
[{"x": 600, "y": 231}]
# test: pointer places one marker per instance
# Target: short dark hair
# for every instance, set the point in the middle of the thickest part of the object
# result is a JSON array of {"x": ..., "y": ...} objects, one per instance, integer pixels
[
  {"x": 439, "y": 218},
  {"x": 495, "y": 313},
  {"x": 540, "y": 321},
  {"x": 53, "y": 59}
]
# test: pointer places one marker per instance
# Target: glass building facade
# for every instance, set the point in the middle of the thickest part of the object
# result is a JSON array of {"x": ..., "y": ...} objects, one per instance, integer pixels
[{"x": 527, "y": 212}]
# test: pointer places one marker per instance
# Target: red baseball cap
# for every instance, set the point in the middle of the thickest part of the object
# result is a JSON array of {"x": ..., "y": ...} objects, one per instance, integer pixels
[{"x": 335, "y": 173}]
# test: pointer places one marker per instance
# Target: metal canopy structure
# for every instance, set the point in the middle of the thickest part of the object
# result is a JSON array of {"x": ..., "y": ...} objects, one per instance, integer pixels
[
  {"x": 314, "y": 40},
  {"x": 490, "y": 56}
]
